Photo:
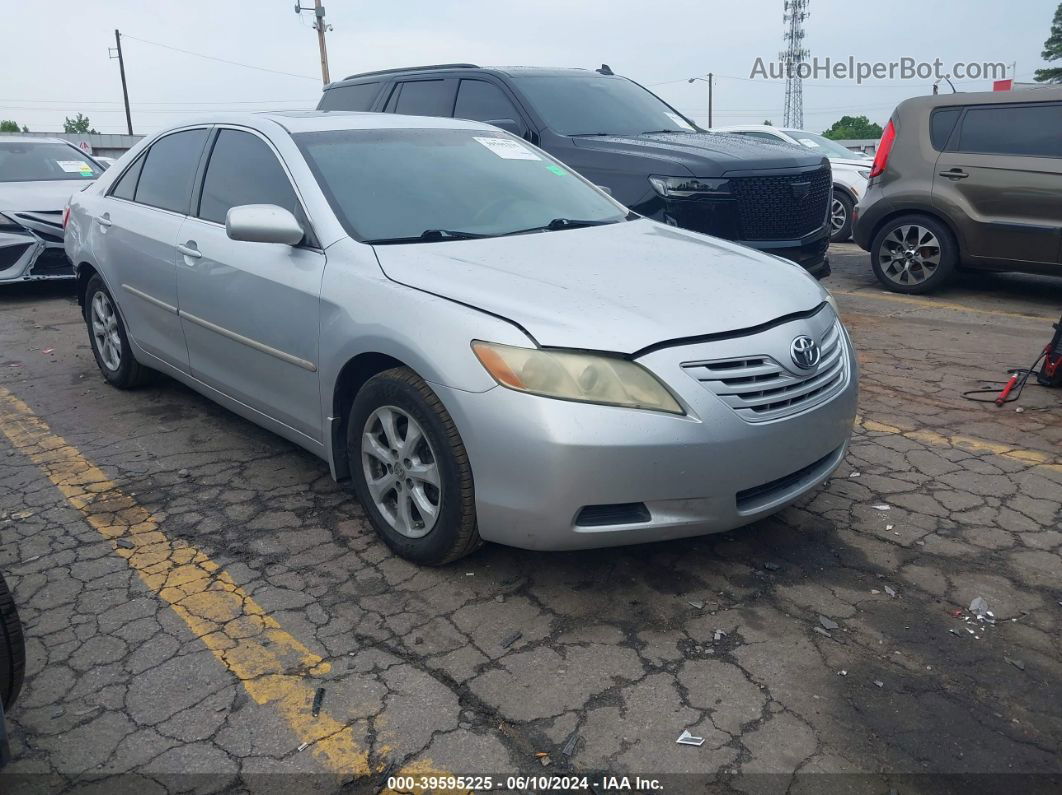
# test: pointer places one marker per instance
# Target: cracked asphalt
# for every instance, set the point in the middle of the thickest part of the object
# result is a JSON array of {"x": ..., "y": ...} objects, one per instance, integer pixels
[{"x": 189, "y": 583}]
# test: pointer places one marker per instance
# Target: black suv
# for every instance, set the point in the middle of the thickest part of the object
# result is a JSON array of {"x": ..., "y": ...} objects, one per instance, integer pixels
[{"x": 626, "y": 139}]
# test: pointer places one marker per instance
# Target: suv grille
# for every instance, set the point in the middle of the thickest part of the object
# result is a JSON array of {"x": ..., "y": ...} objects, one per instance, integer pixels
[
  {"x": 776, "y": 207},
  {"x": 759, "y": 389}
]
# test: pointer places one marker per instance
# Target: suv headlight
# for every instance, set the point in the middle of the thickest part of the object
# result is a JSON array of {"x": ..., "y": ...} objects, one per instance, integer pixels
[
  {"x": 690, "y": 187},
  {"x": 584, "y": 377}
]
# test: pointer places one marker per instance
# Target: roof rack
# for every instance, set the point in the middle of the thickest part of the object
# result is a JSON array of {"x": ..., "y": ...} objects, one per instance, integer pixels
[{"x": 414, "y": 69}]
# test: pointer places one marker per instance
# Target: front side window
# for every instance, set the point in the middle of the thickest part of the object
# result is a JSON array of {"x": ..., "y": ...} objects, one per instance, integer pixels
[
  {"x": 29, "y": 161},
  {"x": 479, "y": 100},
  {"x": 402, "y": 184},
  {"x": 1032, "y": 130},
  {"x": 243, "y": 170},
  {"x": 585, "y": 105},
  {"x": 169, "y": 170}
]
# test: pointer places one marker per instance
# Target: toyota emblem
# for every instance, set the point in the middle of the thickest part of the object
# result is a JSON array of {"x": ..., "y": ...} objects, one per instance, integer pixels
[{"x": 805, "y": 352}]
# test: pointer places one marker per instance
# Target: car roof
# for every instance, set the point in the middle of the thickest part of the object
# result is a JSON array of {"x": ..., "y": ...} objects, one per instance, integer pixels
[
  {"x": 1045, "y": 94},
  {"x": 508, "y": 71},
  {"x": 323, "y": 120}
]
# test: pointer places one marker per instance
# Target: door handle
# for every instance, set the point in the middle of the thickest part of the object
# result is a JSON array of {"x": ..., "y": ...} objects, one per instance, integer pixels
[
  {"x": 955, "y": 173},
  {"x": 104, "y": 220},
  {"x": 189, "y": 250}
]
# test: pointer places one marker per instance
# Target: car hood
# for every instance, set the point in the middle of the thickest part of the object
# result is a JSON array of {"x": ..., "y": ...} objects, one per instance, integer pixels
[
  {"x": 704, "y": 154},
  {"x": 620, "y": 287},
  {"x": 44, "y": 196}
]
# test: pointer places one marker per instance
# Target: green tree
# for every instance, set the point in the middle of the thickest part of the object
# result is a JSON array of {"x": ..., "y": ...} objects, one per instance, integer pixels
[
  {"x": 1052, "y": 51},
  {"x": 853, "y": 127},
  {"x": 8, "y": 126},
  {"x": 78, "y": 124}
]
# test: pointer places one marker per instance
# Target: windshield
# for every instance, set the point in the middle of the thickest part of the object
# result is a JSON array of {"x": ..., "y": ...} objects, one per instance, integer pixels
[
  {"x": 821, "y": 144},
  {"x": 29, "y": 161},
  {"x": 599, "y": 106},
  {"x": 391, "y": 185}
]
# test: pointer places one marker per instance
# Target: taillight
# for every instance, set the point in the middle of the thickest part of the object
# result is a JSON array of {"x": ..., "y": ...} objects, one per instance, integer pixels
[
  {"x": 881, "y": 157},
  {"x": 66, "y": 216}
]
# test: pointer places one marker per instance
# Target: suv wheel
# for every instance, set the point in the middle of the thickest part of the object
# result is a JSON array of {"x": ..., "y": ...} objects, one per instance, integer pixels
[
  {"x": 840, "y": 218},
  {"x": 913, "y": 254},
  {"x": 12, "y": 649},
  {"x": 110, "y": 344},
  {"x": 410, "y": 469}
]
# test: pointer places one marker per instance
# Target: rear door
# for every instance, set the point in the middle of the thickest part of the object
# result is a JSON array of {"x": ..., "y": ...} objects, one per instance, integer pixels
[
  {"x": 250, "y": 310},
  {"x": 138, "y": 226},
  {"x": 1002, "y": 170}
]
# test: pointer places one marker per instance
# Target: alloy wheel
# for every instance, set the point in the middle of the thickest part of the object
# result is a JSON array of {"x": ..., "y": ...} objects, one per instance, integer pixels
[
  {"x": 105, "y": 331},
  {"x": 838, "y": 216},
  {"x": 909, "y": 254},
  {"x": 401, "y": 471}
]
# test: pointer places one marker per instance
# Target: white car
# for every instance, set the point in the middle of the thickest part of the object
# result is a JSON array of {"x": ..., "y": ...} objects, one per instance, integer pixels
[{"x": 851, "y": 170}]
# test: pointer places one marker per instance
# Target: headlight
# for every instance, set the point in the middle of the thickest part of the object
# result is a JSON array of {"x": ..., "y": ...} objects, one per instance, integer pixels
[
  {"x": 588, "y": 378},
  {"x": 690, "y": 187},
  {"x": 833, "y": 302}
]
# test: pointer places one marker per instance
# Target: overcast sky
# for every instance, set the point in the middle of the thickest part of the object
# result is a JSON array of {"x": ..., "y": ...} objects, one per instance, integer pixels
[{"x": 54, "y": 60}]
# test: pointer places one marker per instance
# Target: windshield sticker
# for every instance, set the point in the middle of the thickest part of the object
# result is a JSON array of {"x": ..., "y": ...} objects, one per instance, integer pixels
[
  {"x": 560, "y": 172},
  {"x": 508, "y": 149},
  {"x": 809, "y": 143},
  {"x": 75, "y": 166},
  {"x": 681, "y": 122}
]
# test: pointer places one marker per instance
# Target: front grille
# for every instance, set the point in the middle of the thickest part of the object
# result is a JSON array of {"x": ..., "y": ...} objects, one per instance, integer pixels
[
  {"x": 758, "y": 388},
  {"x": 772, "y": 207},
  {"x": 749, "y": 499}
]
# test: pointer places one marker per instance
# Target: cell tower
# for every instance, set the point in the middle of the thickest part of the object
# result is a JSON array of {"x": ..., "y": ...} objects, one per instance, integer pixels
[{"x": 796, "y": 11}]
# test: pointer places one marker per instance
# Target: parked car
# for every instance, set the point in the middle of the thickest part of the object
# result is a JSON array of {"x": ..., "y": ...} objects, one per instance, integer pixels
[
  {"x": 37, "y": 176},
  {"x": 624, "y": 138},
  {"x": 490, "y": 347},
  {"x": 850, "y": 169},
  {"x": 965, "y": 181}
]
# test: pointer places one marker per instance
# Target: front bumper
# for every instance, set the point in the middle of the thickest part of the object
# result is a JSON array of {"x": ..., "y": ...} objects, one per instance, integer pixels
[
  {"x": 33, "y": 250},
  {"x": 539, "y": 464}
]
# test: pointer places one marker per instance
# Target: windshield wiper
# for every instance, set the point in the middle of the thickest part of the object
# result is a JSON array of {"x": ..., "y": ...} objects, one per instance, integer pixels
[
  {"x": 430, "y": 236},
  {"x": 561, "y": 223}
]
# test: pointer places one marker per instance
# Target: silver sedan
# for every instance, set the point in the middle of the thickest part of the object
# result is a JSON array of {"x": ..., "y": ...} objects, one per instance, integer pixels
[{"x": 489, "y": 347}]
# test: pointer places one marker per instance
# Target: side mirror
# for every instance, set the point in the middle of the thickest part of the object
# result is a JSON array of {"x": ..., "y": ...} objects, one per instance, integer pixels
[
  {"x": 509, "y": 125},
  {"x": 263, "y": 223}
]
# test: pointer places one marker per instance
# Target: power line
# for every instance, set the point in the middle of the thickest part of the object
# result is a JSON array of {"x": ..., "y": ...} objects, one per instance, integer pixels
[{"x": 219, "y": 60}]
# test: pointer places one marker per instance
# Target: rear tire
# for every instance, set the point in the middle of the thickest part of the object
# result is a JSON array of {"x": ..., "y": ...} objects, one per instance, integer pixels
[
  {"x": 841, "y": 218},
  {"x": 12, "y": 649},
  {"x": 913, "y": 254},
  {"x": 108, "y": 339},
  {"x": 402, "y": 439}
]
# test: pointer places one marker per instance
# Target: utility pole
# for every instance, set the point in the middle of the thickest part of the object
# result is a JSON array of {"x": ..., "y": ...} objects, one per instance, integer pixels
[
  {"x": 709, "y": 81},
  {"x": 321, "y": 27},
  {"x": 116, "y": 52}
]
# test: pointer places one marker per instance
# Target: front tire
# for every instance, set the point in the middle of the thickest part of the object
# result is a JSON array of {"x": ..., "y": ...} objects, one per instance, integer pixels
[
  {"x": 840, "y": 218},
  {"x": 108, "y": 339},
  {"x": 913, "y": 254},
  {"x": 12, "y": 649},
  {"x": 410, "y": 469}
]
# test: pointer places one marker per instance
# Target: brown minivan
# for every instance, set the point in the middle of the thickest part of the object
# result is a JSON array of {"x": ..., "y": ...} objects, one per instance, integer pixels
[{"x": 965, "y": 181}]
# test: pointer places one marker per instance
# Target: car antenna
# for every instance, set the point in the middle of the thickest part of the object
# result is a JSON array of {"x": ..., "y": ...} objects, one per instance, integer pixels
[{"x": 605, "y": 69}]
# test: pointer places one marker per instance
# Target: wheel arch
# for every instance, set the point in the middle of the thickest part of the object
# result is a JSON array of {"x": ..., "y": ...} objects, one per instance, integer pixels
[
  {"x": 919, "y": 210},
  {"x": 83, "y": 272}
]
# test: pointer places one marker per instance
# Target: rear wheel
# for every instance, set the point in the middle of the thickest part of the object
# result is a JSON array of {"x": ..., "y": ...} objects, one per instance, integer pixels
[
  {"x": 12, "y": 649},
  {"x": 108, "y": 338},
  {"x": 410, "y": 469},
  {"x": 913, "y": 254},
  {"x": 840, "y": 218}
]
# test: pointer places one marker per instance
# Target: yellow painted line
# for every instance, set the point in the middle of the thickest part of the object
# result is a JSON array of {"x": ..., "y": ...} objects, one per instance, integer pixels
[
  {"x": 1032, "y": 458},
  {"x": 271, "y": 664},
  {"x": 925, "y": 303}
]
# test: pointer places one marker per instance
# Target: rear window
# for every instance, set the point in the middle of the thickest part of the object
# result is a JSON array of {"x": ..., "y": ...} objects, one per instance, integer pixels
[
  {"x": 1029, "y": 130},
  {"x": 941, "y": 123},
  {"x": 29, "y": 161},
  {"x": 167, "y": 174},
  {"x": 423, "y": 98},
  {"x": 354, "y": 97}
]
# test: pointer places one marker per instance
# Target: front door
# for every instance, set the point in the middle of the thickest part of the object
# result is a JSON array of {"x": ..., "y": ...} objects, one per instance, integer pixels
[{"x": 250, "y": 311}]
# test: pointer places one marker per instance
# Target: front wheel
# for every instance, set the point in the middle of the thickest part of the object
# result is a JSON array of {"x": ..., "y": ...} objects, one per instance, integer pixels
[
  {"x": 840, "y": 218},
  {"x": 410, "y": 469},
  {"x": 913, "y": 254}
]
